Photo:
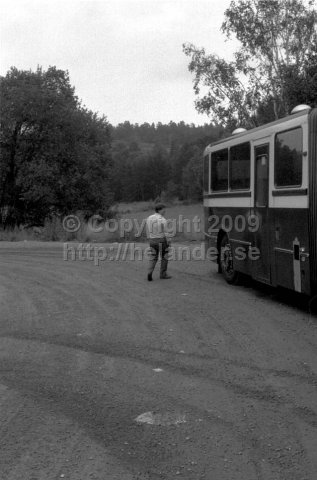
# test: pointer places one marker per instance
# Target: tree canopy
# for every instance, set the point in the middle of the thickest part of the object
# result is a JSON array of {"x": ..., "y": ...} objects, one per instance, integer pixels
[
  {"x": 274, "y": 69},
  {"x": 159, "y": 160},
  {"x": 55, "y": 154},
  {"x": 58, "y": 158}
]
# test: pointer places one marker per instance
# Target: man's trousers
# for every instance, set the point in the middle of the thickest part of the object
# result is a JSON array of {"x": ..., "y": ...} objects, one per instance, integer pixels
[{"x": 158, "y": 247}]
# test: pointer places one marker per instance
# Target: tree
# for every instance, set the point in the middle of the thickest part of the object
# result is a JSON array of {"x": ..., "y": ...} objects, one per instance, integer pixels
[
  {"x": 278, "y": 43},
  {"x": 192, "y": 177},
  {"x": 158, "y": 172},
  {"x": 55, "y": 154},
  {"x": 300, "y": 86},
  {"x": 152, "y": 164}
]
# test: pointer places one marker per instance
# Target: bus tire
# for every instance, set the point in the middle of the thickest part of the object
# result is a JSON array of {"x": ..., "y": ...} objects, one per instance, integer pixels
[{"x": 226, "y": 262}]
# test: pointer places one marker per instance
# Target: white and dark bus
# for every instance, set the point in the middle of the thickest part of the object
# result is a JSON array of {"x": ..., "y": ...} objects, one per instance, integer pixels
[{"x": 260, "y": 202}]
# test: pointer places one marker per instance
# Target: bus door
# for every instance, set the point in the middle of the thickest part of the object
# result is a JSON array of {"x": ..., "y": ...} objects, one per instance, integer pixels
[{"x": 261, "y": 268}]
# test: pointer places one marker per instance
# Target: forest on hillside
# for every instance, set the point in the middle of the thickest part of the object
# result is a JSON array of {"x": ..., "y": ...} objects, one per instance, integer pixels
[{"x": 158, "y": 160}]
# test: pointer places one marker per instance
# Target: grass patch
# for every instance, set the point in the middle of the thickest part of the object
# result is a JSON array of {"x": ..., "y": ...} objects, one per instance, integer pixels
[{"x": 185, "y": 223}]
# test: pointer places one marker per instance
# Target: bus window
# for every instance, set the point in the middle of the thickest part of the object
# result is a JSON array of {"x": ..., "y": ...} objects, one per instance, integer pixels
[
  {"x": 206, "y": 173},
  {"x": 261, "y": 156},
  {"x": 219, "y": 170},
  {"x": 240, "y": 167},
  {"x": 288, "y": 158}
]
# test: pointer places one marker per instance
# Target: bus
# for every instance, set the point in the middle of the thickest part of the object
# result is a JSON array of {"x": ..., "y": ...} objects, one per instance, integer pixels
[{"x": 260, "y": 202}]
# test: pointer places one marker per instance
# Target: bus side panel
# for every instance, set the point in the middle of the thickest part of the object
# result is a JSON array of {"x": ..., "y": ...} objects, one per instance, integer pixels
[
  {"x": 290, "y": 267},
  {"x": 240, "y": 235},
  {"x": 313, "y": 199},
  {"x": 235, "y": 224},
  {"x": 210, "y": 236}
]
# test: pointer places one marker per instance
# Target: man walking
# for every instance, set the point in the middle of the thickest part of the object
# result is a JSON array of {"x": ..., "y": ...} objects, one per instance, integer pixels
[{"x": 159, "y": 241}]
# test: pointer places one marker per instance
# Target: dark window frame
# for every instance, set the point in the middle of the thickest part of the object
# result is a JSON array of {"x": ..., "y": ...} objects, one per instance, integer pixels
[
  {"x": 292, "y": 185},
  {"x": 243, "y": 189},
  {"x": 265, "y": 147},
  {"x": 206, "y": 173},
  {"x": 211, "y": 170}
]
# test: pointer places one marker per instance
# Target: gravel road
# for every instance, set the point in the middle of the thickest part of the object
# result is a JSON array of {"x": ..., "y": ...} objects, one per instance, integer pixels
[{"x": 106, "y": 376}]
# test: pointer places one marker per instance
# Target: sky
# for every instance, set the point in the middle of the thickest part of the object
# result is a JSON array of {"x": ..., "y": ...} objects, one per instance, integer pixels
[{"x": 124, "y": 57}]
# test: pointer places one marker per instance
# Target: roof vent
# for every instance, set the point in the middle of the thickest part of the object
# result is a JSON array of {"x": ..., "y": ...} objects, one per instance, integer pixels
[
  {"x": 300, "y": 108},
  {"x": 238, "y": 130}
]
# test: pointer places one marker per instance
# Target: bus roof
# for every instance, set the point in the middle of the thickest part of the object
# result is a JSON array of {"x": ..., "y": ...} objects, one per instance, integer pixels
[{"x": 247, "y": 133}]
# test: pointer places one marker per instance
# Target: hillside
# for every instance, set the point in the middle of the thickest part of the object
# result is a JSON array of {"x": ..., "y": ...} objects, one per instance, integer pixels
[{"x": 159, "y": 160}]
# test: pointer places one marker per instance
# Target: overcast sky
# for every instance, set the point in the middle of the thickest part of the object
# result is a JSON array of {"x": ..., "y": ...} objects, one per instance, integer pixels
[{"x": 124, "y": 57}]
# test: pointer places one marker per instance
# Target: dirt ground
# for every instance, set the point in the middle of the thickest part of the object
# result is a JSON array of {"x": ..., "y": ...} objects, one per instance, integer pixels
[{"x": 226, "y": 376}]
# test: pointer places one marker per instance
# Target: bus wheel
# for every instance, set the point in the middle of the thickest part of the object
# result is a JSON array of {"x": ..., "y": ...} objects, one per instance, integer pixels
[{"x": 226, "y": 261}]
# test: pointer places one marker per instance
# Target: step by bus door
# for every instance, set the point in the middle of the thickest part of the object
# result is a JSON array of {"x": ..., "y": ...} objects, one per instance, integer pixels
[{"x": 261, "y": 269}]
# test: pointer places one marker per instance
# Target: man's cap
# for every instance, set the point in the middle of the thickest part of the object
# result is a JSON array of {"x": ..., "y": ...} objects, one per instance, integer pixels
[{"x": 159, "y": 206}]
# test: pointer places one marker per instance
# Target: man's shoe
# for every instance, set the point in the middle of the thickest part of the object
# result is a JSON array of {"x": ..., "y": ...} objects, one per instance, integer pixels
[
  {"x": 149, "y": 277},
  {"x": 165, "y": 277}
]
